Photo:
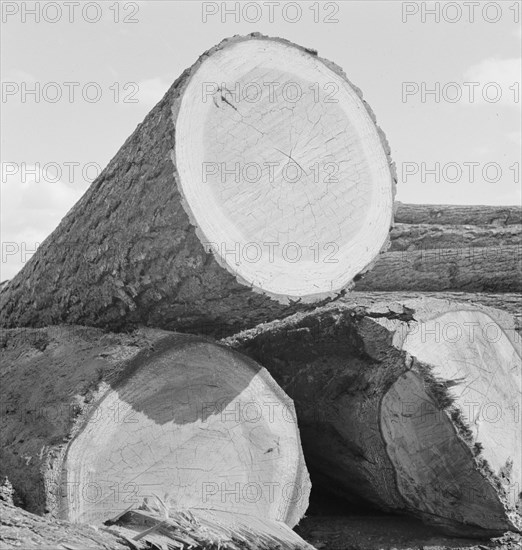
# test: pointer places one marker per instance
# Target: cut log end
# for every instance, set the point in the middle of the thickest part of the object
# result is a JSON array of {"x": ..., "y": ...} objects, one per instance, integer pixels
[
  {"x": 464, "y": 387},
  {"x": 185, "y": 420},
  {"x": 289, "y": 184},
  {"x": 418, "y": 404},
  {"x": 194, "y": 425},
  {"x": 259, "y": 185}
]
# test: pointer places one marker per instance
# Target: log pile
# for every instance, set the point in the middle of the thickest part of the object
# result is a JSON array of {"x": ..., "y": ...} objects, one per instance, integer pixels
[
  {"x": 406, "y": 382},
  {"x": 451, "y": 249}
]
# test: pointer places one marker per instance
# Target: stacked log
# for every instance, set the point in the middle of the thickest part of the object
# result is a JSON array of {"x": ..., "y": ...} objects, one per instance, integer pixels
[
  {"x": 221, "y": 210},
  {"x": 413, "y": 406},
  {"x": 451, "y": 249},
  {"x": 95, "y": 423},
  {"x": 451, "y": 215},
  {"x": 393, "y": 392}
]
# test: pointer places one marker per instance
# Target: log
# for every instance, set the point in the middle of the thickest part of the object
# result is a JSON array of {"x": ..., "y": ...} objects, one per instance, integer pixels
[
  {"x": 232, "y": 203},
  {"x": 94, "y": 423},
  {"x": 450, "y": 214},
  {"x": 453, "y": 237},
  {"x": 509, "y": 302},
  {"x": 447, "y": 248},
  {"x": 492, "y": 269},
  {"x": 412, "y": 406}
]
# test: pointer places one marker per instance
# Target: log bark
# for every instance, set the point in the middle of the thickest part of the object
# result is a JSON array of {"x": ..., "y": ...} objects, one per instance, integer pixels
[
  {"x": 93, "y": 423},
  {"x": 492, "y": 269},
  {"x": 398, "y": 404},
  {"x": 182, "y": 231},
  {"x": 408, "y": 237},
  {"x": 445, "y": 248},
  {"x": 449, "y": 214}
]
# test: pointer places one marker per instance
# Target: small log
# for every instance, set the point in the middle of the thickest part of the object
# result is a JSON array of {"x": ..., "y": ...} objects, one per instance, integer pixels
[
  {"x": 413, "y": 406},
  {"x": 450, "y": 214},
  {"x": 93, "y": 422},
  {"x": 453, "y": 237},
  {"x": 495, "y": 269},
  {"x": 223, "y": 209},
  {"x": 447, "y": 248}
]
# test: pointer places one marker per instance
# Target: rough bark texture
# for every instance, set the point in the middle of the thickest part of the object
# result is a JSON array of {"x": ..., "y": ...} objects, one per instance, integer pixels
[
  {"x": 94, "y": 422},
  {"x": 496, "y": 269},
  {"x": 448, "y": 214},
  {"x": 432, "y": 236},
  {"x": 127, "y": 253},
  {"x": 346, "y": 369},
  {"x": 444, "y": 248}
]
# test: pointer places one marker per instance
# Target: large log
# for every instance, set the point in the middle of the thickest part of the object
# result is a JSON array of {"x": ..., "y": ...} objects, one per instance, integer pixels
[
  {"x": 413, "y": 406},
  {"x": 258, "y": 185},
  {"x": 93, "y": 423}
]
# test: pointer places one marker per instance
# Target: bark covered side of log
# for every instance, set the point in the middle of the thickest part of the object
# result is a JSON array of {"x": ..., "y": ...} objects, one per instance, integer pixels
[
  {"x": 497, "y": 269},
  {"x": 92, "y": 421},
  {"x": 408, "y": 237},
  {"x": 450, "y": 214},
  {"x": 449, "y": 248},
  {"x": 51, "y": 380},
  {"x": 128, "y": 254},
  {"x": 338, "y": 363}
]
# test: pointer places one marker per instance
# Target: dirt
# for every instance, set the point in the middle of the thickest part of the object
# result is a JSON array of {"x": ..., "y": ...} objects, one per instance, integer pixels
[{"x": 390, "y": 532}]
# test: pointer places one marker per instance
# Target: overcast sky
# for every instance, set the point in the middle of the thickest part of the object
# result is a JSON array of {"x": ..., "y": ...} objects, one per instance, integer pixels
[{"x": 392, "y": 50}]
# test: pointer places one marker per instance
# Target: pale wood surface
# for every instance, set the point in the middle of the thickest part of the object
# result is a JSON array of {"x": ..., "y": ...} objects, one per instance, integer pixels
[
  {"x": 136, "y": 248},
  {"x": 379, "y": 423},
  {"x": 94, "y": 422}
]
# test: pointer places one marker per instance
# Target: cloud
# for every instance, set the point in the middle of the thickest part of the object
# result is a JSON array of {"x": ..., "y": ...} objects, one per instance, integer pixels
[
  {"x": 32, "y": 205},
  {"x": 495, "y": 74}
]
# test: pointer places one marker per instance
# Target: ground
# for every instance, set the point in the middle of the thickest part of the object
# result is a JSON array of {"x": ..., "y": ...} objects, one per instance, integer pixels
[{"x": 23, "y": 530}]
